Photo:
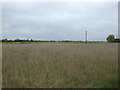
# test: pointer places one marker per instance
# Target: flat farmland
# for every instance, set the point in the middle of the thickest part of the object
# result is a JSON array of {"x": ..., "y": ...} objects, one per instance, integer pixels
[{"x": 50, "y": 65}]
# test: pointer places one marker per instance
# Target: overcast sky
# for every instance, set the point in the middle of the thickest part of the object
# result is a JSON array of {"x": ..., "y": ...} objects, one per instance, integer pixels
[{"x": 60, "y": 20}]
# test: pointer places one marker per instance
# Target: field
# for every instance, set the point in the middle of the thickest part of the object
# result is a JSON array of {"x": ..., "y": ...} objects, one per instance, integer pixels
[
  {"x": 0, "y": 66},
  {"x": 65, "y": 65}
]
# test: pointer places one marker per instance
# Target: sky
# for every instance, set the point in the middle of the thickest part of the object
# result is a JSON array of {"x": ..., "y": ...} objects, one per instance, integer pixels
[{"x": 59, "y": 20}]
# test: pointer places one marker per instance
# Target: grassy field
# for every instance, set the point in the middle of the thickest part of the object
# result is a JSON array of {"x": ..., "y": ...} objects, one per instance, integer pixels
[
  {"x": 70, "y": 65},
  {"x": 0, "y": 66}
]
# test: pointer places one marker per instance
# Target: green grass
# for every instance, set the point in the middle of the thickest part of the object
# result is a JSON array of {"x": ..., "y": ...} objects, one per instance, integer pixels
[{"x": 92, "y": 65}]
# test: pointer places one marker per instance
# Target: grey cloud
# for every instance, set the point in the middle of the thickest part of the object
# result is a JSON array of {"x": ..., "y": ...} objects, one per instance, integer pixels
[{"x": 65, "y": 20}]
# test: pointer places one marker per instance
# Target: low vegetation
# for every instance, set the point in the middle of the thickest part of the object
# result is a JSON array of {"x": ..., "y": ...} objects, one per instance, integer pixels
[
  {"x": 49, "y": 65},
  {"x": 49, "y": 42}
]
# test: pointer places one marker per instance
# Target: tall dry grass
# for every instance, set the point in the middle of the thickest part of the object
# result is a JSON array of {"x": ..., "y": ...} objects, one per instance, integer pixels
[
  {"x": 0, "y": 66},
  {"x": 60, "y": 65}
]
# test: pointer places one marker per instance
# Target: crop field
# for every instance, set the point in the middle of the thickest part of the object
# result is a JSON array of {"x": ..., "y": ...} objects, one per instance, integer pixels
[{"x": 70, "y": 65}]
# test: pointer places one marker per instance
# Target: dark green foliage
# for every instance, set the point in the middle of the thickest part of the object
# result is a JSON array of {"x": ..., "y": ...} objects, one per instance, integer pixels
[{"x": 110, "y": 38}]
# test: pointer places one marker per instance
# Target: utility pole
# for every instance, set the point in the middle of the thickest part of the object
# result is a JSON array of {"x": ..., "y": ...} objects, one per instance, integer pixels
[{"x": 86, "y": 36}]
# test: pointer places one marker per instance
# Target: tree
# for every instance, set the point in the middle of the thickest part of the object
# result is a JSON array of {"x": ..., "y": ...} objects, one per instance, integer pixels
[
  {"x": 4, "y": 40},
  {"x": 110, "y": 38}
]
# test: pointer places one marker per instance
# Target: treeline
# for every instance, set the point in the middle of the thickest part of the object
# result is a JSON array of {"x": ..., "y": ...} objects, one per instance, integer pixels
[
  {"x": 111, "y": 38},
  {"x": 31, "y": 40},
  {"x": 117, "y": 40}
]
